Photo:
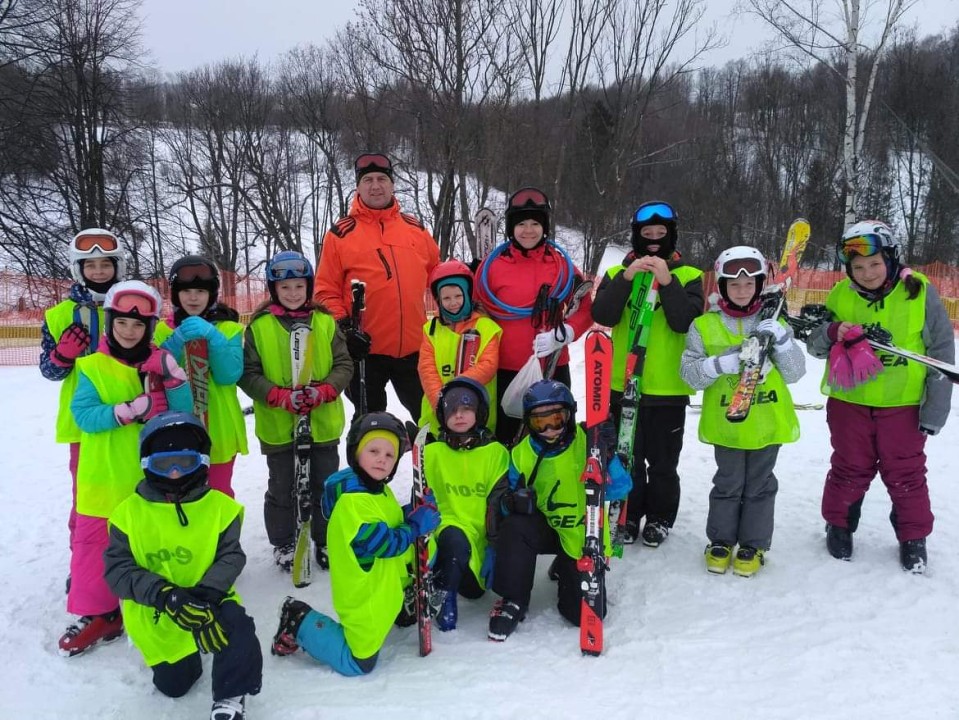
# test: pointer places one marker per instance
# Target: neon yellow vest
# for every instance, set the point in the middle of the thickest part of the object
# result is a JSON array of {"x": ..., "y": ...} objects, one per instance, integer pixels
[
  {"x": 180, "y": 554},
  {"x": 661, "y": 371},
  {"x": 461, "y": 481},
  {"x": 274, "y": 426},
  {"x": 901, "y": 382},
  {"x": 367, "y": 602},
  {"x": 559, "y": 491},
  {"x": 109, "y": 467},
  {"x": 58, "y": 319},
  {"x": 227, "y": 428},
  {"x": 446, "y": 344},
  {"x": 772, "y": 418}
]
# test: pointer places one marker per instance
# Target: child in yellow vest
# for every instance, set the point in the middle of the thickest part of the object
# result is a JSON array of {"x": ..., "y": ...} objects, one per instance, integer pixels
[
  {"x": 881, "y": 425},
  {"x": 199, "y": 316},
  {"x": 125, "y": 383},
  {"x": 371, "y": 539},
  {"x": 451, "y": 283},
  {"x": 278, "y": 398},
  {"x": 462, "y": 468},
  {"x": 174, "y": 556},
  {"x": 72, "y": 329},
  {"x": 742, "y": 501}
]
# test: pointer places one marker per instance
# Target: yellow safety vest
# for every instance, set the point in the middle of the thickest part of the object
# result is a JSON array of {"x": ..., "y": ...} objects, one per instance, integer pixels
[{"x": 58, "y": 319}]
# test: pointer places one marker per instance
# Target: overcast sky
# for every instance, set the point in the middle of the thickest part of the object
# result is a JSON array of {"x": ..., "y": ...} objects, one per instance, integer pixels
[{"x": 184, "y": 34}]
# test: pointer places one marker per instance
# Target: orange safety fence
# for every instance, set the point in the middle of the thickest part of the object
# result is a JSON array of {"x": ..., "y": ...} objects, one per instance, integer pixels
[{"x": 24, "y": 299}]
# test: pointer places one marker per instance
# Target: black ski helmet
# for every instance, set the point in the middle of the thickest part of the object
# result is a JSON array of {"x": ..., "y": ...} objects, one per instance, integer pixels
[
  {"x": 194, "y": 271},
  {"x": 528, "y": 203},
  {"x": 368, "y": 423},
  {"x": 655, "y": 213},
  {"x": 172, "y": 431}
]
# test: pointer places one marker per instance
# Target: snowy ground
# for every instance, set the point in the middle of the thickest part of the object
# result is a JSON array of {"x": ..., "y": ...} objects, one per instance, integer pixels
[{"x": 809, "y": 637}]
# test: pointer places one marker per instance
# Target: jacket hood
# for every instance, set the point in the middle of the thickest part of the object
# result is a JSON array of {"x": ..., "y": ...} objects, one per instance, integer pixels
[
  {"x": 361, "y": 210},
  {"x": 339, "y": 483}
]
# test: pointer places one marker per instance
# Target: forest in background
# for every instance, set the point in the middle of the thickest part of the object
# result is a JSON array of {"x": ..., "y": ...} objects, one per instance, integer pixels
[{"x": 602, "y": 103}]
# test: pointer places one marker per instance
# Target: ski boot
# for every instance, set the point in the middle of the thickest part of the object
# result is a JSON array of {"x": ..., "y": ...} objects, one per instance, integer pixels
[
  {"x": 839, "y": 542},
  {"x": 407, "y": 615},
  {"x": 322, "y": 558},
  {"x": 718, "y": 556},
  {"x": 654, "y": 533},
  {"x": 748, "y": 561},
  {"x": 283, "y": 556},
  {"x": 292, "y": 613},
  {"x": 912, "y": 556},
  {"x": 503, "y": 619},
  {"x": 231, "y": 708},
  {"x": 448, "y": 613},
  {"x": 90, "y": 630}
]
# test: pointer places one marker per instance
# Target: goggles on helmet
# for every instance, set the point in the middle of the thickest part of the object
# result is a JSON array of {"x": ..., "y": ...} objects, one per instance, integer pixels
[
  {"x": 89, "y": 243},
  {"x": 135, "y": 303},
  {"x": 543, "y": 420},
  {"x": 373, "y": 160},
  {"x": 173, "y": 464},
  {"x": 190, "y": 273},
  {"x": 737, "y": 266},
  {"x": 864, "y": 245},
  {"x": 645, "y": 213},
  {"x": 528, "y": 197},
  {"x": 288, "y": 268}
]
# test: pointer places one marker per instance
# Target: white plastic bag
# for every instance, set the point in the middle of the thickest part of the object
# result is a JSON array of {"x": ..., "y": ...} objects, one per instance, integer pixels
[{"x": 531, "y": 372}]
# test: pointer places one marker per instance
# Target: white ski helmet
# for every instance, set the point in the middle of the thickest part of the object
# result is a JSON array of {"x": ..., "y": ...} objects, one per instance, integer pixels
[
  {"x": 871, "y": 227},
  {"x": 739, "y": 260},
  {"x": 875, "y": 236},
  {"x": 96, "y": 243},
  {"x": 133, "y": 299}
]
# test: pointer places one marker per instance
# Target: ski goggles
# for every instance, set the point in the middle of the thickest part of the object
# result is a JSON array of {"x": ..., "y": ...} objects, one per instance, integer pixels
[
  {"x": 174, "y": 464},
  {"x": 191, "y": 273},
  {"x": 864, "y": 245},
  {"x": 88, "y": 243},
  {"x": 373, "y": 160},
  {"x": 649, "y": 211},
  {"x": 528, "y": 197},
  {"x": 135, "y": 303},
  {"x": 738, "y": 266},
  {"x": 545, "y": 420},
  {"x": 288, "y": 268}
]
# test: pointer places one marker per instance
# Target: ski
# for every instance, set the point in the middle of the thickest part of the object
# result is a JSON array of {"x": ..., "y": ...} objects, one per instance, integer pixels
[
  {"x": 641, "y": 321},
  {"x": 300, "y": 362},
  {"x": 484, "y": 225},
  {"x": 756, "y": 347},
  {"x": 197, "y": 360},
  {"x": 592, "y": 564},
  {"x": 572, "y": 305},
  {"x": 358, "y": 292},
  {"x": 422, "y": 583},
  {"x": 86, "y": 314},
  {"x": 697, "y": 407},
  {"x": 467, "y": 351}
]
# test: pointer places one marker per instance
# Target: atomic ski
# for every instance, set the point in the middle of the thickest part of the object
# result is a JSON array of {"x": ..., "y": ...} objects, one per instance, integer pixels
[
  {"x": 641, "y": 321},
  {"x": 196, "y": 355},
  {"x": 756, "y": 347},
  {"x": 484, "y": 225},
  {"x": 358, "y": 291},
  {"x": 467, "y": 351},
  {"x": 592, "y": 564},
  {"x": 300, "y": 361},
  {"x": 423, "y": 580}
]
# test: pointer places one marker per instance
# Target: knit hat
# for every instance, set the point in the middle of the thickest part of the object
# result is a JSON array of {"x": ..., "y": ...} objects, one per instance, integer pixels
[
  {"x": 372, "y": 162},
  {"x": 379, "y": 435}
]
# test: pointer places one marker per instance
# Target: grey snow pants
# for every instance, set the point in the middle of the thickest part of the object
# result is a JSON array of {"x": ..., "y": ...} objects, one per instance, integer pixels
[{"x": 743, "y": 498}]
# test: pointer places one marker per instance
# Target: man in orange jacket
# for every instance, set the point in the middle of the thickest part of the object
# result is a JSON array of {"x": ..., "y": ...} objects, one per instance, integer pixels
[{"x": 393, "y": 254}]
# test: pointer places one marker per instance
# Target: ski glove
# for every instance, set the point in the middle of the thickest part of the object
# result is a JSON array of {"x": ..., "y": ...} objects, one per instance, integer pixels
[
  {"x": 489, "y": 564},
  {"x": 357, "y": 342},
  {"x": 779, "y": 331},
  {"x": 74, "y": 341},
  {"x": 326, "y": 393},
  {"x": 725, "y": 364},
  {"x": 141, "y": 408},
  {"x": 196, "y": 328},
  {"x": 162, "y": 364},
  {"x": 862, "y": 358},
  {"x": 294, "y": 401},
  {"x": 549, "y": 341},
  {"x": 424, "y": 519},
  {"x": 925, "y": 430},
  {"x": 193, "y": 615}
]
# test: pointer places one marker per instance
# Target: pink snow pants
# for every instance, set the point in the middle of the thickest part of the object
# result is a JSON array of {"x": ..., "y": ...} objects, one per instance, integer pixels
[
  {"x": 220, "y": 477},
  {"x": 89, "y": 593},
  {"x": 866, "y": 440},
  {"x": 74, "y": 461}
]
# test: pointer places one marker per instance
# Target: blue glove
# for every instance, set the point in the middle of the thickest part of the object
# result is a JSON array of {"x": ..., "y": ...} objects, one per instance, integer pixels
[
  {"x": 489, "y": 563},
  {"x": 196, "y": 328},
  {"x": 424, "y": 520},
  {"x": 620, "y": 483}
]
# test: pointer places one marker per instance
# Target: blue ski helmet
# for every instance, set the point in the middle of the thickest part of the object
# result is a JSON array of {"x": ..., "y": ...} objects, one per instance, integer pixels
[
  {"x": 551, "y": 392},
  {"x": 287, "y": 265},
  {"x": 460, "y": 390},
  {"x": 168, "y": 434}
]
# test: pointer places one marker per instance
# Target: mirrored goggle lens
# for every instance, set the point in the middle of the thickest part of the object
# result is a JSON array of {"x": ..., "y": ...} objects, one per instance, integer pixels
[
  {"x": 528, "y": 196},
  {"x": 189, "y": 273},
  {"x": 548, "y": 420},
  {"x": 175, "y": 463},
  {"x": 734, "y": 268},
  {"x": 286, "y": 269},
  {"x": 373, "y": 160},
  {"x": 136, "y": 304},
  {"x": 104, "y": 243},
  {"x": 864, "y": 245},
  {"x": 663, "y": 211}
]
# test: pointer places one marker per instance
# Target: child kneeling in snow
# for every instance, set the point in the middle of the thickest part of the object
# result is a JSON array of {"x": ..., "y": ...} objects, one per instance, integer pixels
[{"x": 369, "y": 544}]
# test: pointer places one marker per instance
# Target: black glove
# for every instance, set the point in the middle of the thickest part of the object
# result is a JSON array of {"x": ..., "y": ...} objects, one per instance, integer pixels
[
  {"x": 521, "y": 501},
  {"x": 194, "y": 615},
  {"x": 357, "y": 341}
]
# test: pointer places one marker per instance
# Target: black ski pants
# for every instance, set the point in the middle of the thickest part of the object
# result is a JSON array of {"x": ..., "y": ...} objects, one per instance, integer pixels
[
  {"x": 521, "y": 539},
  {"x": 656, "y": 450},
  {"x": 507, "y": 428},
  {"x": 452, "y": 565},
  {"x": 237, "y": 669},
  {"x": 402, "y": 372},
  {"x": 279, "y": 508}
]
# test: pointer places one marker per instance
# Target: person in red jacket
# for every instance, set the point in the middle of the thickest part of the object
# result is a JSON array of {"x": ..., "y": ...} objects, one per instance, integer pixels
[
  {"x": 393, "y": 254},
  {"x": 525, "y": 284}
]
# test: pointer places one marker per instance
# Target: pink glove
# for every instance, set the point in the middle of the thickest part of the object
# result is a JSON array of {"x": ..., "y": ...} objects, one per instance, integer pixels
[
  {"x": 141, "y": 408},
  {"x": 286, "y": 399},
  {"x": 73, "y": 342},
  {"x": 840, "y": 369},
  {"x": 862, "y": 358},
  {"x": 162, "y": 364},
  {"x": 326, "y": 392}
]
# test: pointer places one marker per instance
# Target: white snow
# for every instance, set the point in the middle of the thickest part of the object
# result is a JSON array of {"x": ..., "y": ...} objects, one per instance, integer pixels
[{"x": 808, "y": 637}]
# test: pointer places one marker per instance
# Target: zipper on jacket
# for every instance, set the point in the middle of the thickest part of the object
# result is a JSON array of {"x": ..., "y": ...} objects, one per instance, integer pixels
[
  {"x": 399, "y": 299},
  {"x": 386, "y": 265}
]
